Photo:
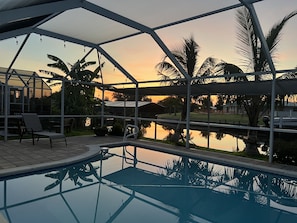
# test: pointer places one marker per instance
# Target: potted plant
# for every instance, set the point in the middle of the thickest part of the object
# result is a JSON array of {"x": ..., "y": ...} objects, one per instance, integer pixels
[{"x": 117, "y": 129}]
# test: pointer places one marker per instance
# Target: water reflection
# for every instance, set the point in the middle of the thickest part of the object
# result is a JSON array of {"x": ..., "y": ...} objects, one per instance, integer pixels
[
  {"x": 216, "y": 140},
  {"x": 248, "y": 184},
  {"x": 78, "y": 174},
  {"x": 285, "y": 145}
]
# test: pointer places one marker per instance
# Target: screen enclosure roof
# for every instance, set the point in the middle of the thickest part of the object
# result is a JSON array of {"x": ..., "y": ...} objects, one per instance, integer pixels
[
  {"x": 100, "y": 21},
  {"x": 93, "y": 23}
]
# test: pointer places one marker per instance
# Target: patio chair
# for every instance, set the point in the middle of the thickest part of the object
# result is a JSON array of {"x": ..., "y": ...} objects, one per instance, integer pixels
[{"x": 34, "y": 127}]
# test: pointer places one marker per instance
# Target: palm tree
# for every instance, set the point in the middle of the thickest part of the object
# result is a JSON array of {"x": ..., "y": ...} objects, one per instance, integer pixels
[
  {"x": 254, "y": 58},
  {"x": 187, "y": 57},
  {"x": 79, "y": 95}
]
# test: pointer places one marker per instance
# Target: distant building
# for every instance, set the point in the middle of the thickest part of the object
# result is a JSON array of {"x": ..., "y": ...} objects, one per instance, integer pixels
[
  {"x": 233, "y": 108},
  {"x": 26, "y": 92},
  {"x": 145, "y": 108}
]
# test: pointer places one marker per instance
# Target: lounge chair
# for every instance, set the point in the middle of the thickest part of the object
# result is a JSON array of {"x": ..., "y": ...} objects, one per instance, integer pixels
[{"x": 34, "y": 127}]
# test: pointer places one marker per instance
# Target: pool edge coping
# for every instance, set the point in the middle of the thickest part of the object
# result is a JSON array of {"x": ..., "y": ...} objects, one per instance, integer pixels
[
  {"x": 220, "y": 158},
  {"x": 224, "y": 159}
]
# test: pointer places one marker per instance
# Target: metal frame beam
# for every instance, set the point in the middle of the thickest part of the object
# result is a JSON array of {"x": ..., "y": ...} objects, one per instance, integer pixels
[
  {"x": 6, "y": 93},
  {"x": 261, "y": 36},
  {"x": 38, "y": 10},
  {"x": 133, "y": 24}
]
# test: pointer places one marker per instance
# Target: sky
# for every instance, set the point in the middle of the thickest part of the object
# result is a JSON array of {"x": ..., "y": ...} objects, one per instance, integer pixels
[{"x": 215, "y": 35}]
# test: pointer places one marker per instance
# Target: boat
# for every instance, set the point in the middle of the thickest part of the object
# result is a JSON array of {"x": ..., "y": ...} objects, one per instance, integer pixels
[{"x": 282, "y": 122}]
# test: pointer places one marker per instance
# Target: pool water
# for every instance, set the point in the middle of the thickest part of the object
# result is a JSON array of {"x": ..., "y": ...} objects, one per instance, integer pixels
[{"x": 132, "y": 184}]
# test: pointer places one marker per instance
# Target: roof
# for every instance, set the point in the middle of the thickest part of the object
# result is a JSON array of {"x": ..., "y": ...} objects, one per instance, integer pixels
[
  {"x": 127, "y": 104},
  {"x": 22, "y": 78},
  {"x": 282, "y": 87}
]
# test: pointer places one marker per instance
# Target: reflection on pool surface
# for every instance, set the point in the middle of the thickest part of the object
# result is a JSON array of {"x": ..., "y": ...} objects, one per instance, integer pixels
[{"x": 130, "y": 184}]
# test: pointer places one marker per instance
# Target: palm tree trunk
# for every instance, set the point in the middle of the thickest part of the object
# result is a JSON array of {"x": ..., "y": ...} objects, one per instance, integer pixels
[
  {"x": 180, "y": 127},
  {"x": 253, "y": 106}
]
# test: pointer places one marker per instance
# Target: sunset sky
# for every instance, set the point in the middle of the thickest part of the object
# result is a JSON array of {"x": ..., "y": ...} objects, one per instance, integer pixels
[{"x": 216, "y": 36}]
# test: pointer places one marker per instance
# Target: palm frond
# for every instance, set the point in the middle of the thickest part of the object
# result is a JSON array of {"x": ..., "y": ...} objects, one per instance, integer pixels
[
  {"x": 51, "y": 73},
  {"x": 99, "y": 68},
  {"x": 167, "y": 68},
  {"x": 54, "y": 84},
  {"x": 228, "y": 69},
  {"x": 86, "y": 64},
  {"x": 250, "y": 46},
  {"x": 180, "y": 58},
  {"x": 59, "y": 64},
  {"x": 248, "y": 41},
  {"x": 190, "y": 51},
  {"x": 186, "y": 56},
  {"x": 165, "y": 79},
  {"x": 273, "y": 36},
  {"x": 87, "y": 75},
  {"x": 208, "y": 64}
]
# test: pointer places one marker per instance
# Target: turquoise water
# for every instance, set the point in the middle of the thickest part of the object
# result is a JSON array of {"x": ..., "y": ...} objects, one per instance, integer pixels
[{"x": 129, "y": 184}]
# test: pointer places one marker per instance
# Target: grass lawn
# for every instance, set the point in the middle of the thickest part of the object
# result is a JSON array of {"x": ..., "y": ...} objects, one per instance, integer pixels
[{"x": 80, "y": 132}]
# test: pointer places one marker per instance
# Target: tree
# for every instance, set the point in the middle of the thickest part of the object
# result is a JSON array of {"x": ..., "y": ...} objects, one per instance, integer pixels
[
  {"x": 122, "y": 97},
  {"x": 172, "y": 104},
  {"x": 220, "y": 103},
  {"x": 187, "y": 57},
  {"x": 253, "y": 53},
  {"x": 280, "y": 99},
  {"x": 79, "y": 94},
  {"x": 254, "y": 57}
]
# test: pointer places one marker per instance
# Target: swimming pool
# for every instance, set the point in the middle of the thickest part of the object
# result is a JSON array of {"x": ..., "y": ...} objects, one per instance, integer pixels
[{"x": 133, "y": 184}]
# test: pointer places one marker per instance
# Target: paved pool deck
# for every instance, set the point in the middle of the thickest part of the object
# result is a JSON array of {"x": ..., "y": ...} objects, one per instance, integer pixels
[{"x": 18, "y": 158}]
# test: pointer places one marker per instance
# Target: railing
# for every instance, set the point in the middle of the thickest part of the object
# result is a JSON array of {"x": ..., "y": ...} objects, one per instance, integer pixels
[{"x": 131, "y": 130}]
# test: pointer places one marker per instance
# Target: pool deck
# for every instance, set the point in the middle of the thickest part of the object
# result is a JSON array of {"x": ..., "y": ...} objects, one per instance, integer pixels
[{"x": 19, "y": 158}]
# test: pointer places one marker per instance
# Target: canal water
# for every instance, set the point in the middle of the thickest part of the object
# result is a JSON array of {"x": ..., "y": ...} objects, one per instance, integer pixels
[
  {"x": 284, "y": 147},
  {"x": 213, "y": 140}
]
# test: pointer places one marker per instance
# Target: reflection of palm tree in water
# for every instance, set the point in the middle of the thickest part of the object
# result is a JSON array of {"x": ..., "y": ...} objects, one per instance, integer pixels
[
  {"x": 143, "y": 126},
  {"x": 188, "y": 172},
  {"x": 82, "y": 172},
  {"x": 78, "y": 174},
  {"x": 206, "y": 134},
  {"x": 219, "y": 135},
  {"x": 248, "y": 184},
  {"x": 182, "y": 135}
]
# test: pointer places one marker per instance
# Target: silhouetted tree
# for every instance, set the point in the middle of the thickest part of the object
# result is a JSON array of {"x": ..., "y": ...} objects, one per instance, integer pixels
[
  {"x": 79, "y": 94},
  {"x": 253, "y": 54}
]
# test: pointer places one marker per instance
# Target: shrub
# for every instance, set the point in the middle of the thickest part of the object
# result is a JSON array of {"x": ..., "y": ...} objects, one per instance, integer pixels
[
  {"x": 117, "y": 129},
  {"x": 100, "y": 130}
]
